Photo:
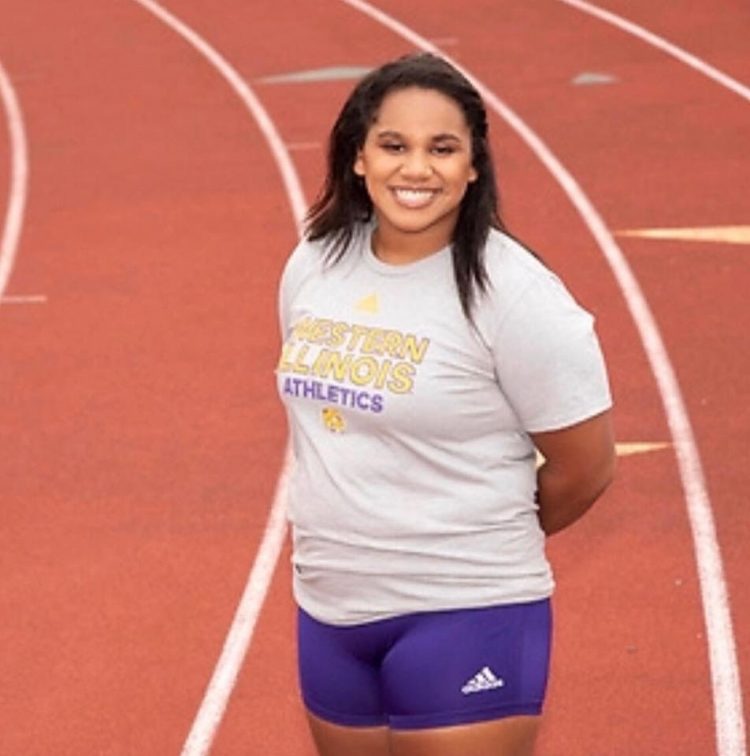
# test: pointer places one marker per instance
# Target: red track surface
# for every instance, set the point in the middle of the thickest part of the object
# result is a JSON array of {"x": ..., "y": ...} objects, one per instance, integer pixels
[{"x": 140, "y": 436}]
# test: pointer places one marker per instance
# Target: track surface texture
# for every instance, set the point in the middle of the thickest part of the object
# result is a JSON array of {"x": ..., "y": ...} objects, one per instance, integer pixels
[{"x": 141, "y": 439}]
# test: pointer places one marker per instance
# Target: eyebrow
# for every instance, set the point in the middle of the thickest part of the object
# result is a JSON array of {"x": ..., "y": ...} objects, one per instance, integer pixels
[{"x": 442, "y": 137}]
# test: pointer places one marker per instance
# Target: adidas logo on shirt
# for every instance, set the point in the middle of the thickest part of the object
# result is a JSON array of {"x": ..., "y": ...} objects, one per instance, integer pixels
[
  {"x": 369, "y": 304},
  {"x": 482, "y": 680}
]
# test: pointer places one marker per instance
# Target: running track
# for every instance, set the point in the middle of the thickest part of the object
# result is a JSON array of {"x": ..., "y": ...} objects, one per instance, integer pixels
[{"x": 140, "y": 437}]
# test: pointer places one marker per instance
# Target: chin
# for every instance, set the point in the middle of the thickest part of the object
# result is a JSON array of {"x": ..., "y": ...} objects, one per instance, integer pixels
[{"x": 415, "y": 225}]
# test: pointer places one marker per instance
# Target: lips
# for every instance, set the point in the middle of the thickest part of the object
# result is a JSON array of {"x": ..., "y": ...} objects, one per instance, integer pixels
[{"x": 414, "y": 198}]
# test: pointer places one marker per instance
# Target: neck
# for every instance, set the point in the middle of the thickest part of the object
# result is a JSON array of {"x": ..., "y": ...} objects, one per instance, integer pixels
[{"x": 401, "y": 248}]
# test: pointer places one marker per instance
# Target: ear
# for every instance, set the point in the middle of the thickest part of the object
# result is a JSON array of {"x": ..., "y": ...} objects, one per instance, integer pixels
[
  {"x": 473, "y": 175},
  {"x": 359, "y": 164}
]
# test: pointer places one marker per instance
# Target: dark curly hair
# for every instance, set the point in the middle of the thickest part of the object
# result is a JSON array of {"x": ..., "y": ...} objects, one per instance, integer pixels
[{"x": 344, "y": 203}]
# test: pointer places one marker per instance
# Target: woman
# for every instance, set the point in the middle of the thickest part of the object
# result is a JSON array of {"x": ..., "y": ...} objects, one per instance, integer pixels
[{"x": 426, "y": 355}]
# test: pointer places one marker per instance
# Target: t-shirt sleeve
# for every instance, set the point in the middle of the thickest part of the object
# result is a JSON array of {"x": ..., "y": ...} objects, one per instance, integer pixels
[
  {"x": 548, "y": 359},
  {"x": 298, "y": 266}
]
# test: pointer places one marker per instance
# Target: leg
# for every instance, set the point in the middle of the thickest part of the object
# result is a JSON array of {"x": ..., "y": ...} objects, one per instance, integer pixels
[
  {"x": 336, "y": 740},
  {"x": 513, "y": 736}
]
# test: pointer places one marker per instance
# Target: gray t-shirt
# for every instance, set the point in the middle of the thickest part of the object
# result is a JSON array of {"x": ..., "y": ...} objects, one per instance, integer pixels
[{"x": 413, "y": 488}]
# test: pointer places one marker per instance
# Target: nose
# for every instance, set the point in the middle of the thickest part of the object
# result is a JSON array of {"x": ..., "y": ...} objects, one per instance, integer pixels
[{"x": 416, "y": 165}]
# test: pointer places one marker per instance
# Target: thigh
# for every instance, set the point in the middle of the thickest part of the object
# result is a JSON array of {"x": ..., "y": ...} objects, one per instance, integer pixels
[
  {"x": 511, "y": 736},
  {"x": 339, "y": 672},
  {"x": 338, "y": 740},
  {"x": 470, "y": 666}
]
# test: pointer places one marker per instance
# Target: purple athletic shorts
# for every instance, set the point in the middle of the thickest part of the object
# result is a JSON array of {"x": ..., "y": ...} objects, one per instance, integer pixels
[{"x": 431, "y": 669}]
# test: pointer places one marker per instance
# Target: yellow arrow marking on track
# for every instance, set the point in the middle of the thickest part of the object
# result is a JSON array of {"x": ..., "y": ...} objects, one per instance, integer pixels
[
  {"x": 627, "y": 449},
  {"x": 721, "y": 234},
  {"x": 638, "y": 447}
]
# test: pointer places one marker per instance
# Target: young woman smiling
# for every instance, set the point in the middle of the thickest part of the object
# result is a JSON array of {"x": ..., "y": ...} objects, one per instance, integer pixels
[
  {"x": 419, "y": 515},
  {"x": 416, "y": 163}
]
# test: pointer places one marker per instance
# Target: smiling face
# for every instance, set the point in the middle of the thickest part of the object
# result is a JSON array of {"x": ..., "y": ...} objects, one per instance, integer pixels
[{"x": 417, "y": 164}]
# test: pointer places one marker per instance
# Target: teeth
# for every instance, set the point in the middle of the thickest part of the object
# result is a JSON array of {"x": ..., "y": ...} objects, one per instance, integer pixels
[{"x": 414, "y": 197}]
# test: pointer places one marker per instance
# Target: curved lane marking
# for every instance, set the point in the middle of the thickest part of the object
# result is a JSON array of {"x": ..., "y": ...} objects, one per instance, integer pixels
[
  {"x": 725, "y": 681},
  {"x": 19, "y": 178},
  {"x": 292, "y": 184},
  {"x": 662, "y": 44},
  {"x": 237, "y": 642}
]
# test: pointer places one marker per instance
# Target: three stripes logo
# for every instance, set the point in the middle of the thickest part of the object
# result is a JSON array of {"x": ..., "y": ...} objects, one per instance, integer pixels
[{"x": 485, "y": 679}]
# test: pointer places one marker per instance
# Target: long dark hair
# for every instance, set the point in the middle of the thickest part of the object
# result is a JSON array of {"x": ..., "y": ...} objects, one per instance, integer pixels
[{"x": 344, "y": 203}]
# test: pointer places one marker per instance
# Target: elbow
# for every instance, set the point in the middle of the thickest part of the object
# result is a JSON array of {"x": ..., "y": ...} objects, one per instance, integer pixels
[
  {"x": 597, "y": 478},
  {"x": 606, "y": 472}
]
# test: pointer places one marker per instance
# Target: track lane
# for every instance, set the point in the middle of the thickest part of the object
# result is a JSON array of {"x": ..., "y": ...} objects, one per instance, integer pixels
[
  {"x": 693, "y": 167},
  {"x": 137, "y": 425},
  {"x": 716, "y": 32},
  {"x": 664, "y": 45}
]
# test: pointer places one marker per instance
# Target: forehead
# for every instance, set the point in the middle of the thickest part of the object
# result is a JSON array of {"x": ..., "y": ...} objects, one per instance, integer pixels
[{"x": 420, "y": 112}]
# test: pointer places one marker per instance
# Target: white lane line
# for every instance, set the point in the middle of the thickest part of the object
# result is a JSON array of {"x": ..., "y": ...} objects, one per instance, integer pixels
[
  {"x": 19, "y": 178},
  {"x": 302, "y": 146},
  {"x": 725, "y": 681},
  {"x": 23, "y": 299},
  {"x": 237, "y": 642},
  {"x": 445, "y": 41},
  {"x": 289, "y": 176},
  {"x": 215, "y": 700},
  {"x": 662, "y": 44}
]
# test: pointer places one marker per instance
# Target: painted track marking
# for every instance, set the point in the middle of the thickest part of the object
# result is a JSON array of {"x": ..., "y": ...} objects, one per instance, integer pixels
[
  {"x": 23, "y": 299},
  {"x": 725, "y": 682},
  {"x": 237, "y": 642},
  {"x": 662, "y": 44},
  {"x": 289, "y": 176},
  {"x": 315, "y": 75},
  {"x": 19, "y": 178},
  {"x": 717, "y": 234}
]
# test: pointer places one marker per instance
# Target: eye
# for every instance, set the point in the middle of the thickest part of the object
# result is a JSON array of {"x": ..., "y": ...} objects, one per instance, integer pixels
[
  {"x": 443, "y": 149},
  {"x": 393, "y": 147}
]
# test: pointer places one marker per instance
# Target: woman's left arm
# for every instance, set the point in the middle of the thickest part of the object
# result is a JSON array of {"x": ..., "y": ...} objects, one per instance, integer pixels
[{"x": 579, "y": 464}]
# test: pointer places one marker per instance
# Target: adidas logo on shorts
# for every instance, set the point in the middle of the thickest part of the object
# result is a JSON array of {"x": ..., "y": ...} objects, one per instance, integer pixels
[{"x": 482, "y": 680}]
